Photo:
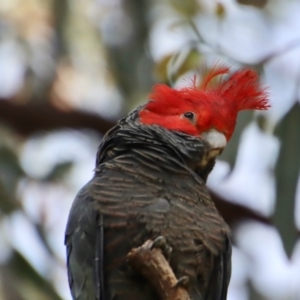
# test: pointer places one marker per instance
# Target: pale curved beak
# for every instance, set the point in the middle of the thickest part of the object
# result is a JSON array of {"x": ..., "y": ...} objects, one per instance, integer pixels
[{"x": 216, "y": 139}]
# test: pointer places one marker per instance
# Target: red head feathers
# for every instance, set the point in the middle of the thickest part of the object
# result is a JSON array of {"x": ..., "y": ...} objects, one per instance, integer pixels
[{"x": 211, "y": 105}]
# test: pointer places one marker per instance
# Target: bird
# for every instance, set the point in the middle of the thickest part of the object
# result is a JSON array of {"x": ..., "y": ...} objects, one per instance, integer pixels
[{"x": 150, "y": 182}]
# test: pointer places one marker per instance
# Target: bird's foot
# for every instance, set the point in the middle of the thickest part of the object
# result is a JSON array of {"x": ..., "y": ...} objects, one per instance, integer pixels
[
  {"x": 182, "y": 282},
  {"x": 161, "y": 243},
  {"x": 150, "y": 261}
]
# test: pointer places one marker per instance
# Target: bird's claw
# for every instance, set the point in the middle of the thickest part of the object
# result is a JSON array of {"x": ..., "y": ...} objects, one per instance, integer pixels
[
  {"x": 182, "y": 282},
  {"x": 160, "y": 242}
]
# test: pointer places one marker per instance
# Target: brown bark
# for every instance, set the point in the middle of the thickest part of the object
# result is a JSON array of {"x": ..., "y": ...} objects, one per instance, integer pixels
[{"x": 152, "y": 264}]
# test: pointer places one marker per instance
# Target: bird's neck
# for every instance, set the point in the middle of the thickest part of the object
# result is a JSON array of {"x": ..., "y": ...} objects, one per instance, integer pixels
[{"x": 166, "y": 146}]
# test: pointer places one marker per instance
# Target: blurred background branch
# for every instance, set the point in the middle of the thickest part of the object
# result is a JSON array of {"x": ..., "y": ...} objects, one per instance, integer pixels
[{"x": 32, "y": 118}]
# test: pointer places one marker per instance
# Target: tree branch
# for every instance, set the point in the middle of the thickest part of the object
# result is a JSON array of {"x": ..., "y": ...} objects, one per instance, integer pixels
[
  {"x": 30, "y": 118},
  {"x": 234, "y": 213},
  {"x": 153, "y": 266}
]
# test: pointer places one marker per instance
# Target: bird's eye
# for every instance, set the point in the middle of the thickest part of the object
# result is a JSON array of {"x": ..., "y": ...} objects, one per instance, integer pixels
[{"x": 189, "y": 115}]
